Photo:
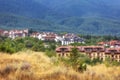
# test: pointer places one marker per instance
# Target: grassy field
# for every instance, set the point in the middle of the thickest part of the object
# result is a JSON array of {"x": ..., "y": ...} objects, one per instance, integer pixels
[{"x": 31, "y": 65}]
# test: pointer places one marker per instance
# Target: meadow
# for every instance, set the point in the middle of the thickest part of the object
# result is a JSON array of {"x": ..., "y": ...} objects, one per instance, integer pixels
[{"x": 30, "y": 65}]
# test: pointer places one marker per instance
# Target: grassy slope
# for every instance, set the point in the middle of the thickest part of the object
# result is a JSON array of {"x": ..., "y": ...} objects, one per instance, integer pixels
[{"x": 30, "y": 65}]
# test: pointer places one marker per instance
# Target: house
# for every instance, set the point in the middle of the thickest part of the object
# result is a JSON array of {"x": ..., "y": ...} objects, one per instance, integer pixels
[
  {"x": 103, "y": 43},
  {"x": 64, "y": 51},
  {"x": 64, "y": 39},
  {"x": 112, "y": 43},
  {"x": 47, "y": 36},
  {"x": 5, "y": 33},
  {"x": 50, "y": 36},
  {"x": 14, "y": 33},
  {"x": 113, "y": 53},
  {"x": 1, "y": 32},
  {"x": 91, "y": 51},
  {"x": 94, "y": 52},
  {"x": 71, "y": 38},
  {"x": 35, "y": 35},
  {"x": 17, "y": 33}
]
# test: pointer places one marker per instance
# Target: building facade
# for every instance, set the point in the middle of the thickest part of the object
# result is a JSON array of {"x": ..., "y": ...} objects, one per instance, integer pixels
[{"x": 91, "y": 51}]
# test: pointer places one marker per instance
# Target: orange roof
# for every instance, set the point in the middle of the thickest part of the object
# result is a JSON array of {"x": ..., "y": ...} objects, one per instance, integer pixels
[
  {"x": 113, "y": 42},
  {"x": 101, "y": 43},
  {"x": 113, "y": 49}
]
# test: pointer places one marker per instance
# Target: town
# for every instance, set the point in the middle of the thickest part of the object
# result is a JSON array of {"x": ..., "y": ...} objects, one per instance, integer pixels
[
  {"x": 64, "y": 39},
  {"x": 101, "y": 50}
]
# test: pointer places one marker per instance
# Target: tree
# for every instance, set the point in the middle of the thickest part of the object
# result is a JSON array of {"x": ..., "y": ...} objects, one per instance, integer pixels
[{"x": 78, "y": 61}]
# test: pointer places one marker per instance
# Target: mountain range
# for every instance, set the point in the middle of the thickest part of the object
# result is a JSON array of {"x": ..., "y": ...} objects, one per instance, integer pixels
[{"x": 101, "y": 17}]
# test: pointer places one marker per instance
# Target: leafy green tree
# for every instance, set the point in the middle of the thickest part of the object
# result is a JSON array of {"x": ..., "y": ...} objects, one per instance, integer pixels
[
  {"x": 38, "y": 47},
  {"x": 78, "y": 61}
]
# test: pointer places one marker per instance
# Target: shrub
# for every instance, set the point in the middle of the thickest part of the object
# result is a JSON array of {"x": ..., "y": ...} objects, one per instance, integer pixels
[
  {"x": 28, "y": 44},
  {"x": 77, "y": 61},
  {"x": 50, "y": 53},
  {"x": 95, "y": 61},
  {"x": 108, "y": 62}
]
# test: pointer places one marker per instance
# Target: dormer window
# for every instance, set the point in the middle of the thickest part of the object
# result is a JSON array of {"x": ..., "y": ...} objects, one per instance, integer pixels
[
  {"x": 88, "y": 49},
  {"x": 99, "y": 49},
  {"x": 113, "y": 51},
  {"x": 63, "y": 49}
]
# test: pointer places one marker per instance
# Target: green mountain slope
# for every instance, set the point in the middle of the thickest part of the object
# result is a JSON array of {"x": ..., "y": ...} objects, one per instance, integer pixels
[
  {"x": 10, "y": 21},
  {"x": 92, "y": 25},
  {"x": 104, "y": 8},
  {"x": 27, "y": 8},
  {"x": 84, "y": 25},
  {"x": 78, "y": 16}
]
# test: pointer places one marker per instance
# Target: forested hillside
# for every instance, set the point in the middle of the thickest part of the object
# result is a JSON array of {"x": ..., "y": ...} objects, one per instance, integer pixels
[
  {"x": 105, "y": 8},
  {"x": 28, "y": 8},
  {"x": 96, "y": 25},
  {"x": 99, "y": 17}
]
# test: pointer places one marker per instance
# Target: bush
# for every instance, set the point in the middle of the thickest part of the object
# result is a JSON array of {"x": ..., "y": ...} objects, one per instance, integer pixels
[
  {"x": 50, "y": 53},
  {"x": 77, "y": 60},
  {"x": 28, "y": 44},
  {"x": 38, "y": 47},
  {"x": 108, "y": 62},
  {"x": 95, "y": 61},
  {"x": 11, "y": 46}
]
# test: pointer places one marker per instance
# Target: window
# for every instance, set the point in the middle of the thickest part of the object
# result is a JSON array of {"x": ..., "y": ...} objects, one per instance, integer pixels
[
  {"x": 59, "y": 55},
  {"x": 88, "y": 49}
]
